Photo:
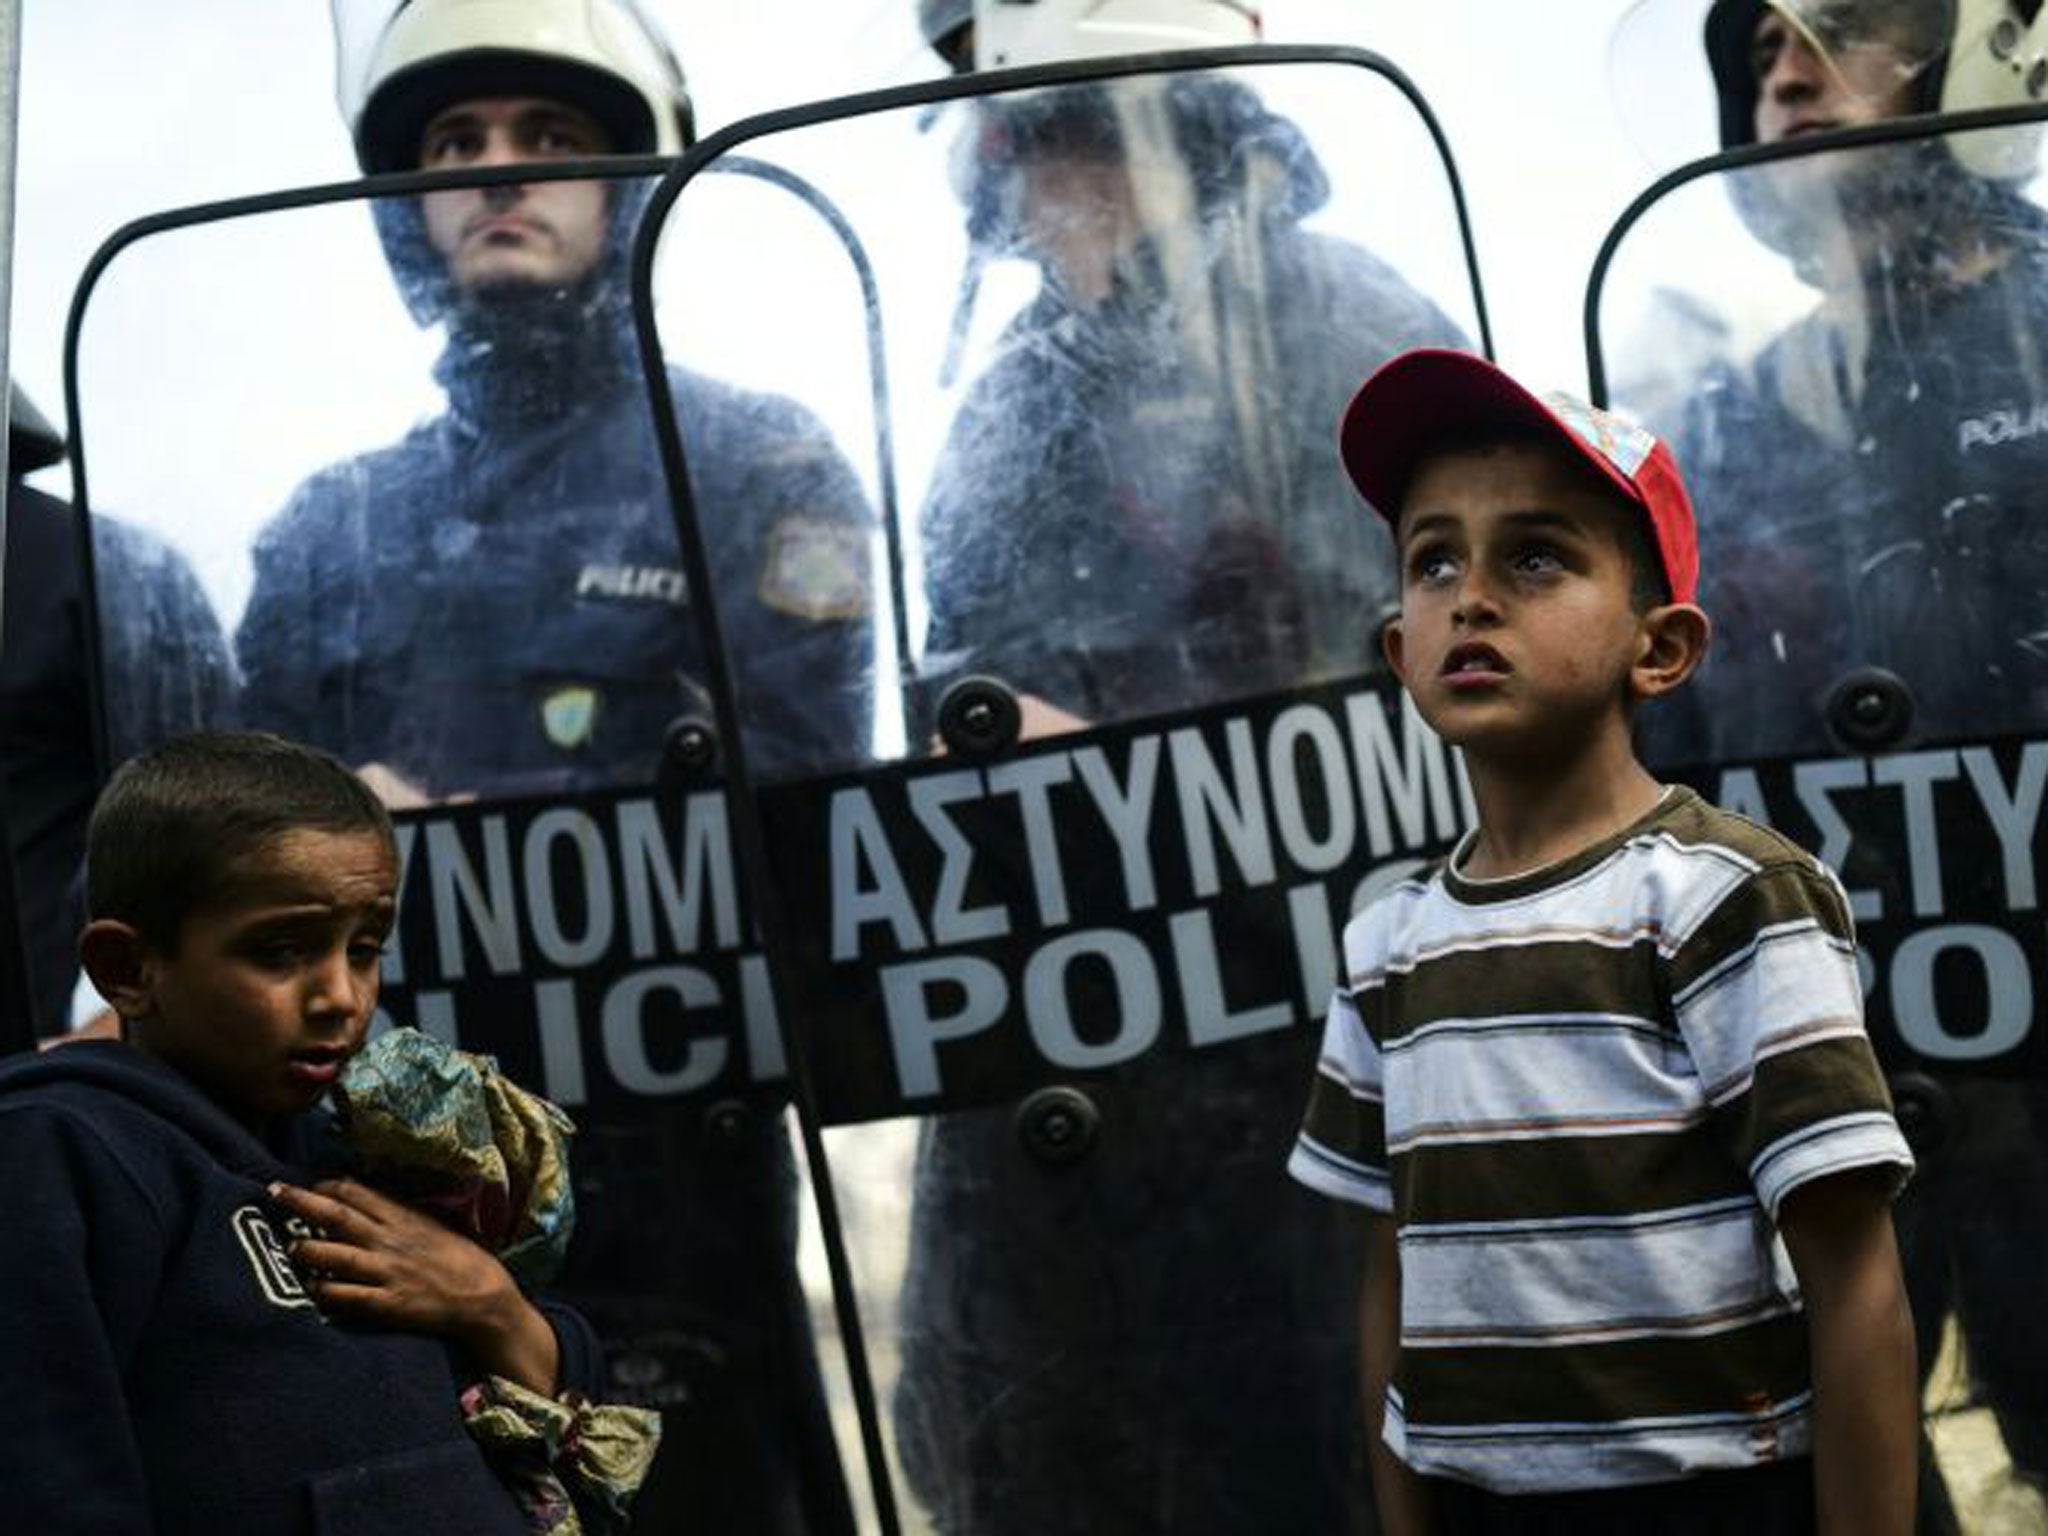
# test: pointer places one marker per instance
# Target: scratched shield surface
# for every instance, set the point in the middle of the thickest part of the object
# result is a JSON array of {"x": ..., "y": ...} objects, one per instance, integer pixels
[
  {"x": 1844, "y": 347},
  {"x": 1059, "y": 922}
]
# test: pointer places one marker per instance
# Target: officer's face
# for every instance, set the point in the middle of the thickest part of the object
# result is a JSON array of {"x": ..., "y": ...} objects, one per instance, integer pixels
[
  {"x": 1079, "y": 218},
  {"x": 1862, "y": 79},
  {"x": 549, "y": 232}
]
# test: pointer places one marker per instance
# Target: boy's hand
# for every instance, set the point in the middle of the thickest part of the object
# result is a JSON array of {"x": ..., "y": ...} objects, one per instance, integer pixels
[{"x": 379, "y": 1260}]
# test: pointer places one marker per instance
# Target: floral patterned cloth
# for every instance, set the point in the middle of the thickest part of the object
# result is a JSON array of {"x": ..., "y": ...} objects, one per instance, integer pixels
[
  {"x": 445, "y": 1130},
  {"x": 573, "y": 1466}
]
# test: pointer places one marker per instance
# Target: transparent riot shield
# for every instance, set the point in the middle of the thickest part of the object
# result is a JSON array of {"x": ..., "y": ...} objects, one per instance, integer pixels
[
  {"x": 1056, "y": 937},
  {"x": 1844, "y": 343},
  {"x": 377, "y": 469}
]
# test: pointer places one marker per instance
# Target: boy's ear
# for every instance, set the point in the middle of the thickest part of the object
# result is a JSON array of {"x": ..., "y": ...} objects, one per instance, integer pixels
[
  {"x": 122, "y": 965},
  {"x": 1391, "y": 643},
  {"x": 1674, "y": 643}
]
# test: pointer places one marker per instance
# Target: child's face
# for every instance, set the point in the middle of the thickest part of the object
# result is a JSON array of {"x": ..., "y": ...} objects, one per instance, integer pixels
[
  {"x": 1517, "y": 632},
  {"x": 270, "y": 989}
]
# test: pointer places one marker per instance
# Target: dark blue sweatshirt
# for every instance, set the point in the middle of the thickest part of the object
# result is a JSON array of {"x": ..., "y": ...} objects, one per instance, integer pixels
[{"x": 160, "y": 1368}]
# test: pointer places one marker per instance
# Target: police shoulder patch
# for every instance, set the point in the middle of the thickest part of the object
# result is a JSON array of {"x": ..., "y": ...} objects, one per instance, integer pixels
[{"x": 816, "y": 568}]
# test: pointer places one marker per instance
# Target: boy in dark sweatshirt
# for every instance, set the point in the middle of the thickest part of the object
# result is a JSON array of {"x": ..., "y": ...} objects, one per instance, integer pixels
[{"x": 191, "y": 1337}]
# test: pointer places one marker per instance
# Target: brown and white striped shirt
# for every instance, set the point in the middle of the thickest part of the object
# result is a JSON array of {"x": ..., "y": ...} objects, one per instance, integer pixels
[{"x": 1582, "y": 1092}]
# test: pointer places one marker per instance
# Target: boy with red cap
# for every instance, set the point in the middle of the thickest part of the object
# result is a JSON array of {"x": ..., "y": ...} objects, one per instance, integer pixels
[{"x": 1599, "y": 1078}]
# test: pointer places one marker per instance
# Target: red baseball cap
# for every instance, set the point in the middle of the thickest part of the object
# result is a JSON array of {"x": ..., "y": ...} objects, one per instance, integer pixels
[{"x": 1419, "y": 398}]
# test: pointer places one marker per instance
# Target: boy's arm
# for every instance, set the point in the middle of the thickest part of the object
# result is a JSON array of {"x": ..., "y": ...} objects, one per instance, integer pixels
[
  {"x": 1402, "y": 1497},
  {"x": 380, "y": 1259},
  {"x": 1866, "y": 1403}
]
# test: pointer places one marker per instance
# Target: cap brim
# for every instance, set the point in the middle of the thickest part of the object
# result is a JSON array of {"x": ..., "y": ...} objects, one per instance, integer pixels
[{"x": 1412, "y": 404}]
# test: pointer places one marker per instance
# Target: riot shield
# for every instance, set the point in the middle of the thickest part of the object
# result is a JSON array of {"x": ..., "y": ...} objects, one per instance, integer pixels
[
  {"x": 1055, "y": 945},
  {"x": 390, "y": 447},
  {"x": 1843, "y": 342}
]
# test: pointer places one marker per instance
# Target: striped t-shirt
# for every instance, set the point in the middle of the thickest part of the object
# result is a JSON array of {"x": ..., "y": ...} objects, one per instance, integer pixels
[{"x": 1583, "y": 1092}]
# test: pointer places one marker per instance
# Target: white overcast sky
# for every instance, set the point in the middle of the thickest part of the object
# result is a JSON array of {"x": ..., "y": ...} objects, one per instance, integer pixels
[{"x": 134, "y": 106}]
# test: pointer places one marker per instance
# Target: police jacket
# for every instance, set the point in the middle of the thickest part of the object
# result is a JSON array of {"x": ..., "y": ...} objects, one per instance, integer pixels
[
  {"x": 497, "y": 602},
  {"x": 1140, "y": 505},
  {"x": 165, "y": 667},
  {"x": 165, "y": 1372},
  {"x": 1870, "y": 492}
]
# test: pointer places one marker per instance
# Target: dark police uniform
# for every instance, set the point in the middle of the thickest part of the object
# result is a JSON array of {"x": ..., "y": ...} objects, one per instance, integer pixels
[
  {"x": 1108, "y": 472},
  {"x": 1161, "y": 1337},
  {"x": 1876, "y": 499},
  {"x": 167, "y": 669},
  {"x": 499, "y": 607}
]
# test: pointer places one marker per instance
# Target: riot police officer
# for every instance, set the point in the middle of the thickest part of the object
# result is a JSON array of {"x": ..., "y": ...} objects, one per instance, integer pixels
[
  {"x": 46, "y": 756},
  {"x": 163, "y": 662},
  {"x": 1157, "y": 1337},
  {"x": 1879, "y": 448},
  {"x": 1871, "y": 445},
  {"x": 496, "y": 605},
  {"x": 1072, "y": 475}
]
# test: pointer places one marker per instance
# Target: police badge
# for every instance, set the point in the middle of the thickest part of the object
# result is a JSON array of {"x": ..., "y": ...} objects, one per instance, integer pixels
[{"x": 568, "y": 716}]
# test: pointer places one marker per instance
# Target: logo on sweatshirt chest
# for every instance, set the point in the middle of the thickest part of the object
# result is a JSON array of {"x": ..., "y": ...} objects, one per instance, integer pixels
[{"x": 268, "y": 1260}]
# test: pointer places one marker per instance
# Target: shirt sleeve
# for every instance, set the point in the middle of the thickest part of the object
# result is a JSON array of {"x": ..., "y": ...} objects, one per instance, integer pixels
[
  {"x": 1342, "y": 1149},
  {"x": 1767, "y": 996}
]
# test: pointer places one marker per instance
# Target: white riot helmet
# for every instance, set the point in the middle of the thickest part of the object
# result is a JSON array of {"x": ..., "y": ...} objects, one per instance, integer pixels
[
  {"x": 1999, "y": 58},
  {"x": 603, "y": 56},
  {"x": 1949, "y": 56},
  {"x": 1012, "y": 33}
]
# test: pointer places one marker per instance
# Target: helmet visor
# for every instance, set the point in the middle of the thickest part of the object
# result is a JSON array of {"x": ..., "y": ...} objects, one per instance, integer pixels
[
  {"x": 1009, "y": 34},
  {"x": 1838, "y": 61},
  {"x": 358, "y": 24},
  {"x": 1661, "y": 87},
  {"x": 1874, "y": 51}
]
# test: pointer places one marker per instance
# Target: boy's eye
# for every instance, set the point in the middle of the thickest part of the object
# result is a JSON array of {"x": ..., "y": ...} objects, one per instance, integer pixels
[
  {"x": 1430, "y": 565},
  {"x": 366, "y": 952},
  {"x": 279, "y": 954},
  {"x": 1538, "y": 560}
]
